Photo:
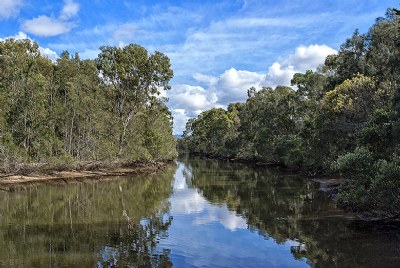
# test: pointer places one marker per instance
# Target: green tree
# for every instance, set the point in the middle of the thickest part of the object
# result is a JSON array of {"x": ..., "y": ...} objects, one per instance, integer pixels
[{"x": 134, "y": 77}]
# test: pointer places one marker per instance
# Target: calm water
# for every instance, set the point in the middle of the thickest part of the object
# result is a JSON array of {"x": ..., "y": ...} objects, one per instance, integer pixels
[{"x": 199, "y": 213}]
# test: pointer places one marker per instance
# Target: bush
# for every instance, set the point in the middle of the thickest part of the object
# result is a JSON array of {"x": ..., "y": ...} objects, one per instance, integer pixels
[
  {"x": 372, "y": 186},
  {"x": 386, "y": 187}
]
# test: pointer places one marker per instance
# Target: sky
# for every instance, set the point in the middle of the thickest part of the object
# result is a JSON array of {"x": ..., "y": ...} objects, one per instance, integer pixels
[{"x": 218, "y": 49}]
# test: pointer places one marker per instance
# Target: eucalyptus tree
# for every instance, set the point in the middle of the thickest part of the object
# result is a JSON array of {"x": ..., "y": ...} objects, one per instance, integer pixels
[
  {"x": 134, "y": 76},
  {"x": 72, "y": 109},
  {"x": 25, "y": 76},
  {"x": 80, "y": 107}
]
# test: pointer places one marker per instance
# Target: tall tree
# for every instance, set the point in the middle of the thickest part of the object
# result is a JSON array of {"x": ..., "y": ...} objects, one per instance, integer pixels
[{"x": 134, "y": 76}]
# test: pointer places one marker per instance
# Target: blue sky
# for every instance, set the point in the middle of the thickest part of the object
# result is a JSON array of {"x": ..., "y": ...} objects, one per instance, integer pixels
[{"x": 218, "y": 49}]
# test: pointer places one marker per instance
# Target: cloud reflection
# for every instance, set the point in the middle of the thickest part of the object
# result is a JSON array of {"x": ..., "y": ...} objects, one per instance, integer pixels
[{"x": 189, "y": 201}]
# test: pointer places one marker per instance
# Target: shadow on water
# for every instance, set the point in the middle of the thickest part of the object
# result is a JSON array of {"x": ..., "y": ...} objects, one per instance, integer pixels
[{"x": 139, "y": 221}]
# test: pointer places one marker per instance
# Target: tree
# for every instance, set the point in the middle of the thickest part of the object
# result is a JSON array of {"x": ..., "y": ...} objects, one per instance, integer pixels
[
  {"x": 25, "y": 77},
  {"x": 134, "y": 77},
  {"x": 74, "y": 110}
]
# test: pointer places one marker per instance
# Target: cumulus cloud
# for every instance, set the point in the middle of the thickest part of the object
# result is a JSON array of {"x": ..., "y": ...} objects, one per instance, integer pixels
[
  {"x": 188, "y": 101},
  {"x": 9, "y": 8},
  {"x": 192, "y": 98},
  {"x": 233, "y": 84},
  {"x": 51, "y": 54},
  {"x": 304, "y": 58},
  {"x": 48, "y": 26},
  {"x": 18, "y": 36},
  {"x": 310, "y": 57},
  {"x": 280, "y": 75}
]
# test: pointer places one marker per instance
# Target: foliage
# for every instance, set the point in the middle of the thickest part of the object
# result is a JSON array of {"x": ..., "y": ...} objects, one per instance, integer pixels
[
  {"x": 76, "y": 110},
  {"x": 373, "y": 185}
]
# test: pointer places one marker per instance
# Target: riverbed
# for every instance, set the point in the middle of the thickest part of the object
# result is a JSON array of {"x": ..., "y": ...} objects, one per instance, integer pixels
[{"x": 196, "y": 213}]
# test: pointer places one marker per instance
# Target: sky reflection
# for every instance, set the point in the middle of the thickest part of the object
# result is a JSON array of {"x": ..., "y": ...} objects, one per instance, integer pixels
[{"x": 201, "y": 234}]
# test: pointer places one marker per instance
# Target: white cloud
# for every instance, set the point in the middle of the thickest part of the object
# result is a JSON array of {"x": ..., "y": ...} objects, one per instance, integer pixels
[
  {"x": 191, "y": 98},
  {"x": 310, "y": 57},
  {"x": 280, "y": 75},
  {"x": 69, "y": 10},
  {"x": 48, "y": 26},
  {"x": 9, "y": 8},
  {"x": 233, "y": 84},
  {"x": 208, "y": 79},
  {"x": 125, "y": 31},
  {"x": 51, "y": 54},
  {"x": 235, "y": 41},
  {"x": 188, "y": 101},
  {"x": 304, "y": 58},
  {"x": 180, "y": 119},
  {"x": 254, "y": 22}
]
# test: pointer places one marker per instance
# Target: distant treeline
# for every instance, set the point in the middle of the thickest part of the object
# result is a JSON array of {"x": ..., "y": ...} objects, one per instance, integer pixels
[
  {"x": 72, "y": 110},
  {"x": 343, "y": 118}
]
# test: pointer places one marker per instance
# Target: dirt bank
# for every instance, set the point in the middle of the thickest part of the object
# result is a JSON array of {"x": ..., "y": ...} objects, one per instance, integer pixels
[{"x": 85, "y": 171}]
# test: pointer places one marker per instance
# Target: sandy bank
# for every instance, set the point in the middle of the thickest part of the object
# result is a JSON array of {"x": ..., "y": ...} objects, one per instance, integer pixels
[{"x": 9, "y": 182}]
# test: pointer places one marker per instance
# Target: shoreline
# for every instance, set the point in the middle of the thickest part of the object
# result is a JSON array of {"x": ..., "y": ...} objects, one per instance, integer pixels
[
  {"x": 98, "y": 171},
  {"x": 329, "y": 184}
]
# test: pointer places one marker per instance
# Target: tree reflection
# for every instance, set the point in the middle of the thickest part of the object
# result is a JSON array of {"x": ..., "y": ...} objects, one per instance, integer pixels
[
  {"x": 103, "y": 224},
  {"x": 290, "y": 209}
]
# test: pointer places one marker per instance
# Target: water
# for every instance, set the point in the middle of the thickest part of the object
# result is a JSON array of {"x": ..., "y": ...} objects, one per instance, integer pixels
[{"x": 199, "y": 213}]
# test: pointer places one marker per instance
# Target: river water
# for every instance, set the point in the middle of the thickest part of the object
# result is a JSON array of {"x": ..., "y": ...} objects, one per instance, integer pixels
[{"x": 197, "y": 213}]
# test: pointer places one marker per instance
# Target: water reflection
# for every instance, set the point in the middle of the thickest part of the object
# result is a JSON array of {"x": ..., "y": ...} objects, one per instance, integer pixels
[
  {"x": 200, "y": 213},
  {"x": 292, "y": 212},
  {"x": 188, "y": 200},
  {"x": 208, "y": 232},
  {"x": 92, "y": 224}
]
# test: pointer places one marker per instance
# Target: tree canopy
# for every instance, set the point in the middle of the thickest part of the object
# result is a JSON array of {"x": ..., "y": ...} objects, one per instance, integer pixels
[{"x": 78, "y": 110}]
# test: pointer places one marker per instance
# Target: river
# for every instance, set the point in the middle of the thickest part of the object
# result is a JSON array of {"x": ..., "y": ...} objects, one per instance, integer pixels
[{"x": 197, "y": 213}]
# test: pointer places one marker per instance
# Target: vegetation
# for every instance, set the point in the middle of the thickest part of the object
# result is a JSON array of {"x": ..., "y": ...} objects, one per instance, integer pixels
[
  {"x": 345, "y": 118},
  {"x": 75, "y": 110}
]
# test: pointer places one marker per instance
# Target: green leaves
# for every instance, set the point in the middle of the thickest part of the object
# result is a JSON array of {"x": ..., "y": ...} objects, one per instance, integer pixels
[
  {"x": 73, "y": 110},
  {"x": 134, "y": 78}
]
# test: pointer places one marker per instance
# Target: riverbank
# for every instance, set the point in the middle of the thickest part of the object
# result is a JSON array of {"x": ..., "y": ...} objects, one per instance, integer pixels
[
  {"x": 38, "y": 173},
  {"x": 328, "y": 183}
]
